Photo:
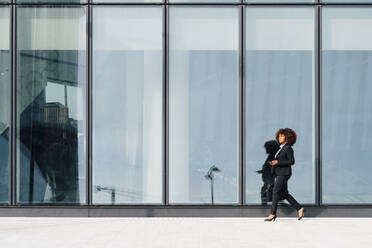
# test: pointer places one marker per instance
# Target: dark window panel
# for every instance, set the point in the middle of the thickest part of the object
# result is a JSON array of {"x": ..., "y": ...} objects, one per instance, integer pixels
[
  {"x": 51, "y": 86},
  {"x": 51, "y": 1}
]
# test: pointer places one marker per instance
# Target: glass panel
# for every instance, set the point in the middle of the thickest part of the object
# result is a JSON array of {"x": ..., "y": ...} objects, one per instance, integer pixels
[
  {"x": 203, "y": 105},
  {"x": 347, "y": 105},
  {"x": 205, "y": 1},
  {"x": 51, "y": 85},
  {"x": 51, "y": 1},
  {"x": 279, "y": 1},
  {"x": 128, "y": 1},
  {"x": 347, "y": 1},
  {"x": 279, "y": 94},
  {"x": 127, "y": 93},
  {"x": 4, "y": 104}
]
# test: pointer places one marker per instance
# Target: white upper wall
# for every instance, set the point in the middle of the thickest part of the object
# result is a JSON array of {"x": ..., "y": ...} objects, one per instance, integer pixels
[
  {"x": 191, "y": 28},
  {"x": 127, "y": 28},
  {"x": 205, "y": 28},
  {"x": 280, "y": 28},
  {"x": 51, "y": 28},
  {"x": 347, "y": 28}
]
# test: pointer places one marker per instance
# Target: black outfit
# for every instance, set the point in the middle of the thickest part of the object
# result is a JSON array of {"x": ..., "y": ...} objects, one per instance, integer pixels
[
  {"x": 283, "y": 172},
  {"x": 271, "y": 147}
]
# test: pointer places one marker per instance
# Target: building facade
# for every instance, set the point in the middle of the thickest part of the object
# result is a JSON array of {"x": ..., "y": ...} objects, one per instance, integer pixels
[{"x": 153, "y": 108}]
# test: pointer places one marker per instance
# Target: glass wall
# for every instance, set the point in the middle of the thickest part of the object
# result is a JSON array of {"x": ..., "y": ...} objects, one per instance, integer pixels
[
  {"x": 177, "y": 99},
  {"x": 279, "y": 93},
  {"x": 51, "y": 86},
  {"x": 127, "y": 105},
  {"x": 203, "y": 104},
  {"x": 4, "y": 103},
  {"x": 347, "y": 105}
]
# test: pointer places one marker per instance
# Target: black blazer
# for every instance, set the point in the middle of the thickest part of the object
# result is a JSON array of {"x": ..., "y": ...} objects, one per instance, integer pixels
[{"x": 285, "y": 159}]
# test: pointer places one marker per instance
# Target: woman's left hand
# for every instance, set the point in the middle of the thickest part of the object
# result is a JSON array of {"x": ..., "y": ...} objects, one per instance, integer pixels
[{"x": 274, "y": 162}]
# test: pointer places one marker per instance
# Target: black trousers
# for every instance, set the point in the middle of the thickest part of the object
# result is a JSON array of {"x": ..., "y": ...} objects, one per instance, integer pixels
[{"x": 281, "y": 189}]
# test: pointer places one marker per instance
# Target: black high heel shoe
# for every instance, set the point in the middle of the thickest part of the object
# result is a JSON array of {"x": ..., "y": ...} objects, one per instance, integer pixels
[
  {"x": 303, "y": 211},
  {"x": 270, "y": 219}
]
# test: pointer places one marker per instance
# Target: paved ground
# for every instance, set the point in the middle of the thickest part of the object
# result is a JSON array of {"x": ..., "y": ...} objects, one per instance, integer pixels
[{"x": 185, "y": 232}]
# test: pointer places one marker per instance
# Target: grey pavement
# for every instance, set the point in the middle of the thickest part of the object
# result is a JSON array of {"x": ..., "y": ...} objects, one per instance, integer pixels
[{"x": 185, "y": 232}]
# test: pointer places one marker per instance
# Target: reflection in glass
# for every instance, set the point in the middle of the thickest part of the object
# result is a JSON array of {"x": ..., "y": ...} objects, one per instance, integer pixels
[
  {"x": 347, "y": 105},
  {"x": 127, "y": 105},
  {"x": 205, "y": 1},
  {"x": 51, "y": 1},
  {"x": 271, "y": 148},
  {"x": 347, "y": 1},
  {"x": 127, "y": 1},
  {"x": 279, "y": 1},
  {"x": 280, "y": 93},
  {"x": 51, "y": 81},
  {"x": 4, "y": 104},
  {"x": 203, "y": 104}
]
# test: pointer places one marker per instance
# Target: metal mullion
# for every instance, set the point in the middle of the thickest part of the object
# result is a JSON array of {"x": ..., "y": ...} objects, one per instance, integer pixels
[
  {"x": 316, "y": 102},
  {"x": 242, "y": 178},
  {"x": 12, "y": 55},
  {"x": 88, "y": 140},
  {"x": 242, "y": 164},
  {"x": 165, "y": 105},
  {"x": 319, "y": 106}
]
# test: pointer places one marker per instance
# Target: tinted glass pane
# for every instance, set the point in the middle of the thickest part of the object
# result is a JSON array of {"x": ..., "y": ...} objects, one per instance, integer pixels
[
  {"x": 347, "y": 1},
  {"x": 203, "y": 105},
  {"x": 51, "y": 83},
  {"x": 128, "y": 1},
  {"x": 347, "y": 105},
  {"x": 4, "y": 103},
  {"x": 279, "y": 94},
  {"x": 51, "y": 1},
  {"x": 205, "y": 1},
  {"x": 127, "y": 107},
  {"x": 279, "y": 1}
]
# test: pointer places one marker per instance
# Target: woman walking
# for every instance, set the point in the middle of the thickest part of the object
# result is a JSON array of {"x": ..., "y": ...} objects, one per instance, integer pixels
[{"x": 281, "y": 168}]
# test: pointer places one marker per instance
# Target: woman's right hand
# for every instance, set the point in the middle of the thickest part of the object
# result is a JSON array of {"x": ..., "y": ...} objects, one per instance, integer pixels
[{"x": 274, "y": 162}]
